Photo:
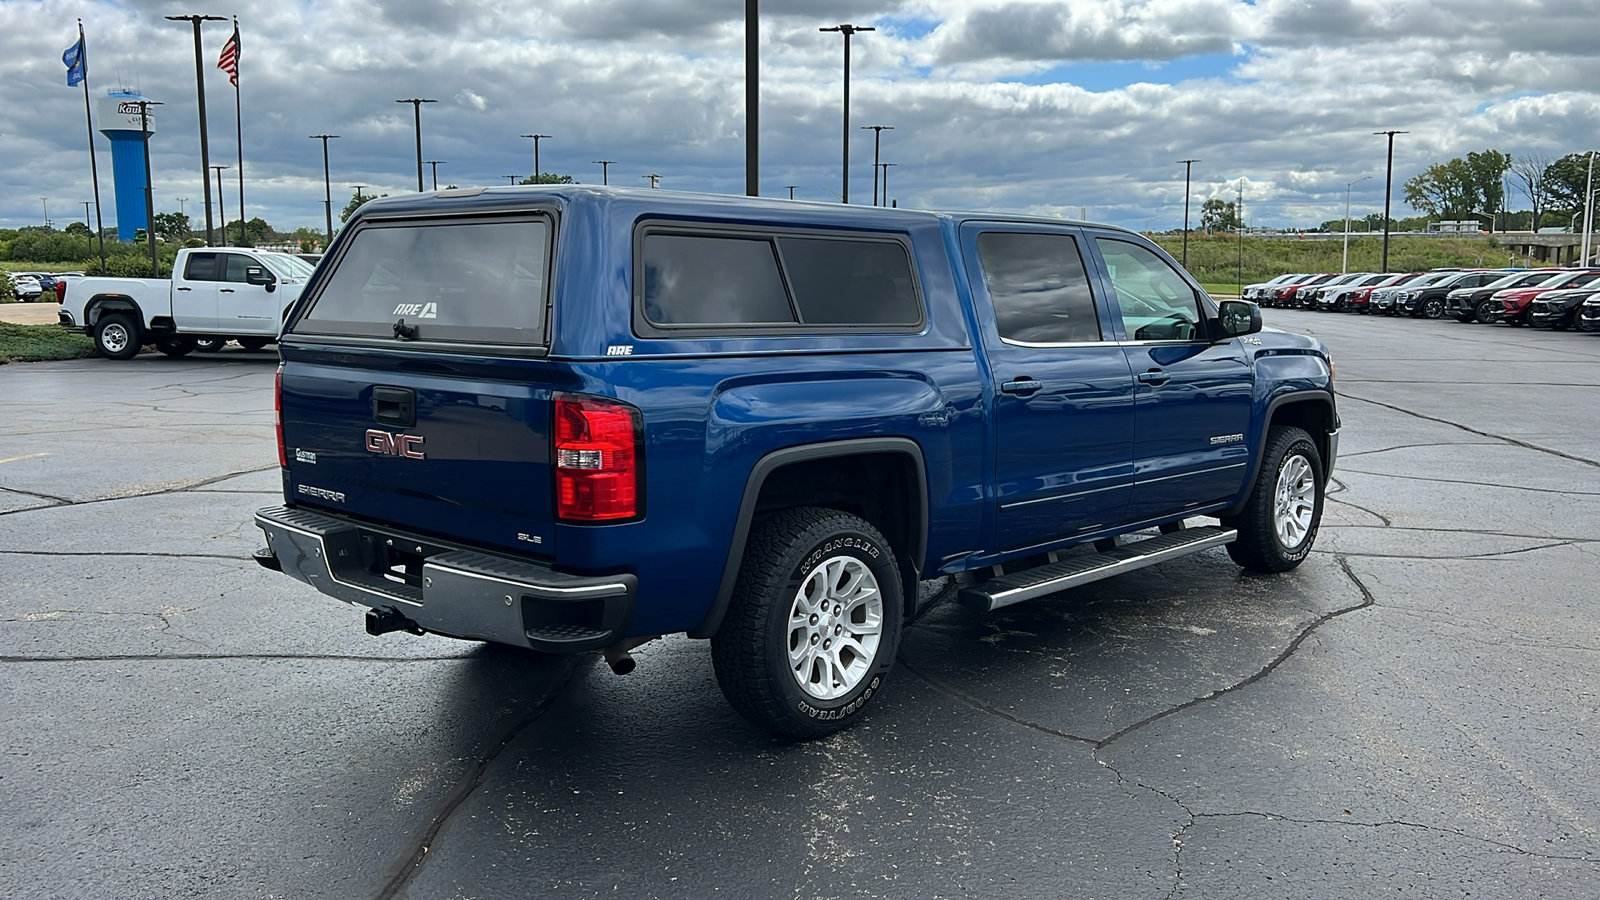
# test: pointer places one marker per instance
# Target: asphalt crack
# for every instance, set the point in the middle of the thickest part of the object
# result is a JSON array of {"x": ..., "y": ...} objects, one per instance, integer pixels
[
  {"x": 1399, "y": 823},
  {"x": 204, "y": 657},
  {"x": 1480, "y": 433},
  {"x": 180, "y": 489},
  {"x": 1485, "y": 484},
  {"x": 119, "y": 553},
  {"x": 411, "y": 864}
]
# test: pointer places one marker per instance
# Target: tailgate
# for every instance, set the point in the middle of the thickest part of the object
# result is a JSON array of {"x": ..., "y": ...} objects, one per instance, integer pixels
[{"x": 457, "y": 455}]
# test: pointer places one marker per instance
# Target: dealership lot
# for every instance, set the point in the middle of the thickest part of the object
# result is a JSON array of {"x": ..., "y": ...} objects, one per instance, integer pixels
[{"x": 1413, "y": 710}]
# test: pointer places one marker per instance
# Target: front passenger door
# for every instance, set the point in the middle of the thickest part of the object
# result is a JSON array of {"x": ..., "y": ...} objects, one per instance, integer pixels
[
  {"x": 1192, "y": 395},
  {"x": 242, "y": 307}
]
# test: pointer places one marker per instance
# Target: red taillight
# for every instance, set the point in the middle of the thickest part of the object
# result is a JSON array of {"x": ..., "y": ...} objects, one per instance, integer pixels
[
  {"x": 277, "y": 410},
  {"x": 597, "y": 456},
  {"x": 61, "y": 290}
]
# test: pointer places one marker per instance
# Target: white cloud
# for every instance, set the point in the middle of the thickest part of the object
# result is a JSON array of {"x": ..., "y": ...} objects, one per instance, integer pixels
[{"x": 658, "y": 86}]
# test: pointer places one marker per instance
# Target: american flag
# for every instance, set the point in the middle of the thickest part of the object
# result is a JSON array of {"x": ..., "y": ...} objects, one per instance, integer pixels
[{"x": 229, "y": 60}]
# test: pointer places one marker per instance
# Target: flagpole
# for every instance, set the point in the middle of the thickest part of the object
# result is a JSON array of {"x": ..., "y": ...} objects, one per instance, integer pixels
[
  {"x": 94, "y": 167},
  {"x": 238, "y": 124}
]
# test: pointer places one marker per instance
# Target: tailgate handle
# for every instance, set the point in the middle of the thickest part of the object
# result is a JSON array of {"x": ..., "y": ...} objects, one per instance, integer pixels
[{"x": 394, "y": 406}]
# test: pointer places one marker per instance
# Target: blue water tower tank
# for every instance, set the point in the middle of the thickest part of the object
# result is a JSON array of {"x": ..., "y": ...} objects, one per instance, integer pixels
[{"x": 119, "y": 122}]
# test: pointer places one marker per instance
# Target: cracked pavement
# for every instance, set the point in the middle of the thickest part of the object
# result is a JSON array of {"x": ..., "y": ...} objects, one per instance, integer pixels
[{"x": 1411, "y": 711}]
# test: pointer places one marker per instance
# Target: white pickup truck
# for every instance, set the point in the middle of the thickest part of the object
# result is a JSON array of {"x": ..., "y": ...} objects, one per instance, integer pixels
[{"x": 216, "y": 294}]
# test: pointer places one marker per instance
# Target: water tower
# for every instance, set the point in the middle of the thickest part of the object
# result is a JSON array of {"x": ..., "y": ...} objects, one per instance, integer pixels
[{"x": 119, "y": 122}]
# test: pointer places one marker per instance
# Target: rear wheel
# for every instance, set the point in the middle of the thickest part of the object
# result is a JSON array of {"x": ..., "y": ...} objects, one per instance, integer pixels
[
  {"x": 1279, "y": 522},
  {"x": 175, "y": 345},
  {"x": 209, "y": 344},
  {"x": 813, "y": 625},
  {"x": 252, "y": 344},
  {"x": 116, "y": 336},
  {"x": 1483, "y": 311}
]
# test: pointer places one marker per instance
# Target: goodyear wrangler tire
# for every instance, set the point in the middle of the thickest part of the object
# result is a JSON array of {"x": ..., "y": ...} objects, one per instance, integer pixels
[
  {"x": 1279, "y": 522},
  {"x": 814, "y": 623}
]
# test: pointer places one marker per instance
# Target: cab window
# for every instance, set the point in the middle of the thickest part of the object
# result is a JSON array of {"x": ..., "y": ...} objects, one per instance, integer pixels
[
  {"x": 1039, "y": 288},
  {"x": 1156, "y": 303}
]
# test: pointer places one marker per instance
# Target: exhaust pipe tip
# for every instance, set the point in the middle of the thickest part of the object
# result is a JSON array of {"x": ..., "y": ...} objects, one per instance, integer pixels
[{"x": 618, "y": 656}]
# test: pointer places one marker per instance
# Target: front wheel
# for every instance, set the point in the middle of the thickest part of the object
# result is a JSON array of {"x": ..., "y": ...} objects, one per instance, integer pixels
[
  {"x": 209, "y": 344},
  {"x": 117, "y": 336},
  {"x": 1483, "y": 311},
  {"x": 814, "y": 622},
  {"x": 1432, "y": 308},
  {"x": 252, "y": 344},
  {"x": 1279, "y": 522}
]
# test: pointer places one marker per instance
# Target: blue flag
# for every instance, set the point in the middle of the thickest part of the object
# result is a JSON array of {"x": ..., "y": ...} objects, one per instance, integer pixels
[{"x": 77, "y": 63}]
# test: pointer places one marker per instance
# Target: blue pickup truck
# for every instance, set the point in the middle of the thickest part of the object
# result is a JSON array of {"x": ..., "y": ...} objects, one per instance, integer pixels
[{"x": 573, "y": 419}]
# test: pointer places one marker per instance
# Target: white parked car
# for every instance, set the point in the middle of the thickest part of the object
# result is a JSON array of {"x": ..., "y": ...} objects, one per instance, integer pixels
[{"x": 26, "y": 287}]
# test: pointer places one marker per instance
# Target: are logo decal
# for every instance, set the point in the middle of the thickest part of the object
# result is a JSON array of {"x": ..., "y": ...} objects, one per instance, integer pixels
[{"x": 420, "y": 310}]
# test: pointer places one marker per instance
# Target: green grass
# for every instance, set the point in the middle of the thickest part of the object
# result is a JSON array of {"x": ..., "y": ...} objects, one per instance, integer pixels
[
  {"x": 1215, "y": 260},
  {"x": 37, "y": 343}
]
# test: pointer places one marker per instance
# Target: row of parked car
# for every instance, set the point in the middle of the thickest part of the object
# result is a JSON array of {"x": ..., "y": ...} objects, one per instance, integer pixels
[
  {"x": 1542, "y": 298},
  {"x": 31, "y": 286}
]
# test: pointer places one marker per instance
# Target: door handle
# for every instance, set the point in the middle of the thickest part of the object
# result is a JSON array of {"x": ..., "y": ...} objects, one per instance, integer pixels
[
  {"x": 1155, "y": 376},
  {"x": 225, "y": 290},
  {"x": 1021, "y": 386},
  {"x": 185, "y": 289}
]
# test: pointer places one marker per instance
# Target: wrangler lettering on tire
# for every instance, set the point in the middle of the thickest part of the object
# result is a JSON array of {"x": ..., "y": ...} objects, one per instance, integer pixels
[{"x": 814, "y": 623}]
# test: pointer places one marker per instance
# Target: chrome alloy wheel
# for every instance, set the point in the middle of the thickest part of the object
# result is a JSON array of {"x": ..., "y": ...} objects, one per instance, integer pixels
[
  {"x": 1294, "y": 501},
  {"x": 835, "y": 625},
  {"x": 114, "y": 337}
]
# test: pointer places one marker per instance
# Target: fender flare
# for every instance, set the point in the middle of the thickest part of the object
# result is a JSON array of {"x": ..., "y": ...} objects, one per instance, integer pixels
[
  {"x": 777, "y": 459},
  {"x": 1324, "y": 397},
  {"x": 116, "y": 302}
]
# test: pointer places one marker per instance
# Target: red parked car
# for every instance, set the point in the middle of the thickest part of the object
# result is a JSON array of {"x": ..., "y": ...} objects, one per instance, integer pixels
[
  {"x": 1515, "y": 302},
  {"x": 1356, "y": 300}
]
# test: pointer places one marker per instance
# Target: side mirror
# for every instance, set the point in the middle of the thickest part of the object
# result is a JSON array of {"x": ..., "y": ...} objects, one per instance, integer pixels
[
  {"x": 259, "y": 275},
  {"x": 1238, "y": 317}
]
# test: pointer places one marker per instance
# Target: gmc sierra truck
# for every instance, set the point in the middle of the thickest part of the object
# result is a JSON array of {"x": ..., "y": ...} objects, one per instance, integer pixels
[
  {"x": 573, "y": 419},
  {"x": 215, "y": 294}
]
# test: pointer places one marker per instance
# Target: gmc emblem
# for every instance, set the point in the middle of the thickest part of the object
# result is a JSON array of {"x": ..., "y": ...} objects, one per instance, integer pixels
[{"x": 385, "y": 443}]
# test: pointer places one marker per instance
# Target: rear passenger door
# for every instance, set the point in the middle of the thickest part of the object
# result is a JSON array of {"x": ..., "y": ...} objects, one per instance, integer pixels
[
  {"x": 1062, "y": 390},
  {"x": 1193, "y": 394}
]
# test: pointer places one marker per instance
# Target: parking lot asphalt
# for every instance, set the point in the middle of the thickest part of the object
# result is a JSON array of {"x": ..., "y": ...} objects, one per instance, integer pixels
[{"x": 1412, "y": 711}]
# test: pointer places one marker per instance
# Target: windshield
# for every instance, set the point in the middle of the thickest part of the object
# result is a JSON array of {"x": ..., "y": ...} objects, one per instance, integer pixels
[
  {"x": 1517, "y": 279},
  {"x": 285, "y": 266}
]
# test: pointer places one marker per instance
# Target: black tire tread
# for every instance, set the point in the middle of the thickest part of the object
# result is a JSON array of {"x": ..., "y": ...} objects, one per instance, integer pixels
[
  {"x": 1255, "y": 548},
  {"x": 738, "y": 650}
]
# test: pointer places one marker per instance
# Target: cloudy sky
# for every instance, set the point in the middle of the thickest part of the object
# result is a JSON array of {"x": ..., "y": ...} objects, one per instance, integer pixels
[{"x": 1043, "y": 106}]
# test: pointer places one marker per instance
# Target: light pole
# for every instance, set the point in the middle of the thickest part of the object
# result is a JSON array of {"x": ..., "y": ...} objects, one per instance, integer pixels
[
  {"x": 538, "y": 173},
  {"x": 1588, "y": 210},
  {"x": 327, "y": 186},
  {"x": 181, "y": 202},
  {"x": 434, "y": 164},
  {"x": 86, "y": 213},
  {"x": 752, "y": 98},
  {"x": 222, "y": 211},
  {"x": 1240, "y": 210},
  {"x": 1388, "y": 189},
  {"x": 200, "y": 87},
  {"x": 416, "y": 109},
  {"x": 149, "y": 195},
  {"x": 1345, "y": 266},
  {"x": 791, "y": 188},
  {"x": 846, "y": 30},
  {"x": 885, "y": 168},
  {"x": 511, "y": 178},
  {"x": 1188, "y": 167},
  {"x": 605, "y": 169},
  {"x": 655, "y": 181},
  {"x": 877, "y": 137},
  {"x": 45, "y": 202}
]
